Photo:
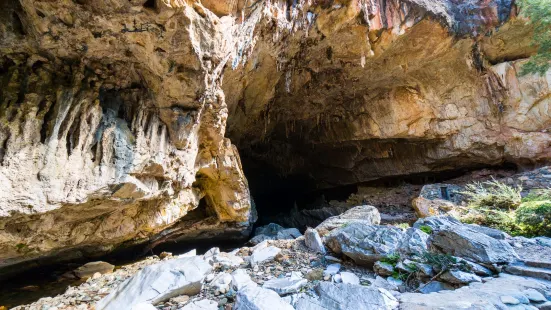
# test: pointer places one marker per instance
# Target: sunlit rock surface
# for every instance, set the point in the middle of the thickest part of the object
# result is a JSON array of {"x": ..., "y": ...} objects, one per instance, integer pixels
[
  {"x": 112, "y": 125},
  {"x": 351, "y": 91},
  {"x": 113, "y": 113}
]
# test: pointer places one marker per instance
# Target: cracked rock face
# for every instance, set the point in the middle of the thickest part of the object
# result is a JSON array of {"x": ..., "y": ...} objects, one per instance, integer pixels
[
  {"x": 112, "y": 124},
  {"x": 113, "y": 113},
  {"x": 351, "y": 91}
]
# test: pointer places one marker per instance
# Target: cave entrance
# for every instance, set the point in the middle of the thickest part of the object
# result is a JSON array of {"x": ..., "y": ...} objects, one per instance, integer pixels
[{"x": 298, "y": 201}]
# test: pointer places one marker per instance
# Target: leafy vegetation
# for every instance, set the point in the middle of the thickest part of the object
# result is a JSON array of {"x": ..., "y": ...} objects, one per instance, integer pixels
[
  {"x": 539, "y": 12},
  {"x": 534, "y": 218},
  {"x": 442, "y": 262},
  {"x": 493, "y": 194},
  {"x": 391, "y": 259},
  {"x": 495, "y": 204},
  {"x": 426, "y": 229},
  {"x": 537, "y": 195}
]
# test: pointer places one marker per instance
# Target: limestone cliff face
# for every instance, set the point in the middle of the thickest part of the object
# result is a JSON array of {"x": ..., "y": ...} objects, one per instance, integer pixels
[
  {"x": 351, "y": 91},
  {"x": 113, "y": 113},
  {"x": 112, "y": 124}
]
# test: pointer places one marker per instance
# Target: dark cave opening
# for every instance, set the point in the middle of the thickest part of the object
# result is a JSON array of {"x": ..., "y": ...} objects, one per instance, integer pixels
[{"x": 280, "y": 199}]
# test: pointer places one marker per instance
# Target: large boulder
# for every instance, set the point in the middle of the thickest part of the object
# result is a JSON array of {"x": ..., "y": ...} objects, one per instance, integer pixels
[
  {"x": 89, "y": 269},
  {"x": 342, "y": 296},
  {"x": 274, "y": 231},
  {"x": 463, "y": 241},
  {"x": 157, "y": 283},
  {"x": 285, "y": 286},
  {"x": 366, "y": 244},
  {"x": 367, "y": 215},
  {"x": 437, "y": 223},
  {"x": 413, "y": 242},
  {"x": 263, "y": 253},
  {"x": 313, "y": 241},
  {"x": 487, "y": 295},
  {"x": 240, "y": 279},
  {"x": 253, "y": 297},
  {"x": 425, "y": 207},
  {"x": 204, "y": 304}
]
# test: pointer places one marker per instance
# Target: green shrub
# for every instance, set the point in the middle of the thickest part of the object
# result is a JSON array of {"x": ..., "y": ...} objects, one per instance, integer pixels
[
  {"x": 391, "y": 259},
  {"x": 534, "y": 218},
  {"x": 538, "y": 11},
  {"x": 426, "y": 229},
  {"x": 492, "y": 194},
  {"x": 537, "y": 195},
  {"x": 500, "y": 206},
  {"x": 396, "y": 274},
  {"x": 500, "y": 219}
]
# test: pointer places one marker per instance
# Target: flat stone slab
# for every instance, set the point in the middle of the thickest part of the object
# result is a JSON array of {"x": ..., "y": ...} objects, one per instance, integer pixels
[
  {"x": 157, "y": 283},
  {"x": 89, "y": 269},
  {"x": 489, "y": 295},
  {"x": 204, "y": 304},
  {"x": 285, "y": 286},
  {"x": 331, "y": 296},
  {"x": 258, "y": 298},
  {"x": 462, "y": 241},
  {"x": 264, "y": 254},
  {"x": 521, "y": 269}
]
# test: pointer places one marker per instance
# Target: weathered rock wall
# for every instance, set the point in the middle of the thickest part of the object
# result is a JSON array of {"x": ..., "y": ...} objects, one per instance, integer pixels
[
  {"x": 351, "y": 91},
  {"x": 112, "y": 126},
  {"x": 113, "y": 113}
]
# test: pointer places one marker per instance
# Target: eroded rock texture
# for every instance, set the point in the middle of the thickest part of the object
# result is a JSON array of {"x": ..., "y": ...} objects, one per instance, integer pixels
[
  {"x": 112, "y": 127},
  {"x": 113, "y": 113},
  {"x": 351, "y": 91}
]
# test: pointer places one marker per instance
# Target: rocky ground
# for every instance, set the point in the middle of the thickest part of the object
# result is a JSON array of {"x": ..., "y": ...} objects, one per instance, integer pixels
[{"x": 349, "y": 261}]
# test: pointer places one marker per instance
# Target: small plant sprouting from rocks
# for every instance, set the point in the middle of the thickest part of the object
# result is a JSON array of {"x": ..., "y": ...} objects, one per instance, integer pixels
[
  {"x": 426, "y": 229},
  {"x": 441, "y": 262},
  {"x": 403, "y": 276},
  {"x": 403, "y": 225},
  {"x": 344, "y": 225},
  {"x": 391, "y": 259}
]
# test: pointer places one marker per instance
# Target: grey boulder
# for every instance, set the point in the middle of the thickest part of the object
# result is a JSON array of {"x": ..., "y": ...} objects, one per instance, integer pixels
[
  {"x": 471, "y": 245},
  {"x": 367, "y": 215},
  {"x": 350, "y": 278},
  {"x": 342, "y": 296},
  {"x": 258, "y": 298},
  {"x": 414, "y": 242},
  {"x": 366, "y": 244},
  {"x": 89, "y": 269},
  {"x": 383, "y": 269},
  {"x": 285, "y": 286},
  {"x": 435, "y": 286},
  {"x": 274, "y": 231},
  {"x": 459, "y": 277},
  {"x": 241, "y": 279},
  {"x": 437, "y": 223},
  {"x": 157, "y": 283},
  {"x": 263, "y": 254},
  {"x": 204, "y": 304},
  {"x": 313, "y": 241}
]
